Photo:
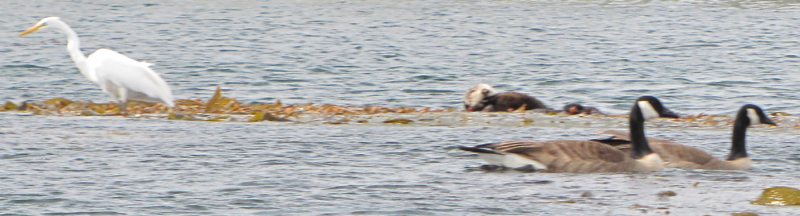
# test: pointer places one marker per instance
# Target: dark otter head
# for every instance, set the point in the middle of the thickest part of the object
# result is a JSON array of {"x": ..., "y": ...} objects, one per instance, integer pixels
[{"x": 573, "y": 108}]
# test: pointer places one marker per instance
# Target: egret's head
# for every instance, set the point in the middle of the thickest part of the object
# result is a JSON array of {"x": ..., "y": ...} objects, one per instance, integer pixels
[{"x": 41, "y": 24}]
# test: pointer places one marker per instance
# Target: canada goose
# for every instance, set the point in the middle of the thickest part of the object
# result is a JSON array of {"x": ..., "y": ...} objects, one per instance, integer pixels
[
  {"x": 580, "y": 156},
  {"x": 483, "y": 97},
  {"x": 682, "y": 156},
  {"x": 574, "y": 109}
]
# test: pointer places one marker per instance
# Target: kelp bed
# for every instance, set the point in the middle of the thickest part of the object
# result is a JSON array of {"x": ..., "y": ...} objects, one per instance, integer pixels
[
  {"x": 220, "y": 108},
  {"x": 217, "y": 108}
]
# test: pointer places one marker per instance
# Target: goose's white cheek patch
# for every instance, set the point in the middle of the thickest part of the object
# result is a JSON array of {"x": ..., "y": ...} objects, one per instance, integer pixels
[
  {"x": 648, "y": 112},
  {"x": 753, "y": 115}
]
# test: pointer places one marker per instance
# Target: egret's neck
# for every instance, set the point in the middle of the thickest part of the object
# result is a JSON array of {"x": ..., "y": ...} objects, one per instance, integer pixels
[{"x": 74, "y": 49}]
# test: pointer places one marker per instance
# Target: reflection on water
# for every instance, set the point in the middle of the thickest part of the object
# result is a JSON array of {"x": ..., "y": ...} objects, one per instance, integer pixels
[{"x": 698, "y": 57}]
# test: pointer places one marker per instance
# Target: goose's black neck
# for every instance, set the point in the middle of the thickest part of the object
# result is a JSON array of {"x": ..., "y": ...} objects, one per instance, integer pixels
[
  {"x": 738, "y": 149},
  {"x": 638, "y": 139}
]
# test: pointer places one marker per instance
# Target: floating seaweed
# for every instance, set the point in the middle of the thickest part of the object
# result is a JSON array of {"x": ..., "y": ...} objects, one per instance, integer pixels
[
  {"x": 9, "y": 106},
  {"x": 261, "y": 116},
  {"x": 221, "y": 108},
  {"x": 399, "y": 120},
  {"x": 216, "y": 102},
  {"x": 778, "y": 196},
  {"x": 216, "y": 108}
]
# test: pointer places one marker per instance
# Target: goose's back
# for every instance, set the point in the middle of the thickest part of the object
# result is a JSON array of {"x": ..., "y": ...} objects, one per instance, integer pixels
[
  {"x": 574, "y": 156},
  {"x": 674, "y": 154}
]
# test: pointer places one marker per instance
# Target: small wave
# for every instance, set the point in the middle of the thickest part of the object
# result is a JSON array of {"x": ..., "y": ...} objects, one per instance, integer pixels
[
  {"x": 26, "y": 201},
  {"x": 730, "y": 83},
  {"x": 398, "y": 212},
  {"x": 13, "y": 156},
  {"x": 24, "y": 66},
  {"x": 423, "y": 77},
  {"x": 320, "y": 70},
  {"x": 220, "y": 70},
  {"x": 367, "y": 90},
  {"x": 86, "y": 213},
  {"x": 289, "y": 80},
  {"x": 427, "y": 91},
  {"x": 396, "y": 186}
]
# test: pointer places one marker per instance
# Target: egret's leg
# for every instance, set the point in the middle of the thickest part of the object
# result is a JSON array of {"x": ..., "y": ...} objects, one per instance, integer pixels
[
  {"x": 123, "y": 108},
  {"x": 123, "y": 101}
]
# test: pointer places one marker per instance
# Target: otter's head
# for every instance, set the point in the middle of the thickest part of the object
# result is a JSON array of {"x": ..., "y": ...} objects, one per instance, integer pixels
[{"x": 475, "y": 99}]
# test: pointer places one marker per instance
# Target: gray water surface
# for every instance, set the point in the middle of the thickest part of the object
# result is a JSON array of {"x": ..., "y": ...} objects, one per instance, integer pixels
[
  {"x": 709, "y": 56},
  {"x": 124, "y": 166},
  {"x": 697, "y": 56}
]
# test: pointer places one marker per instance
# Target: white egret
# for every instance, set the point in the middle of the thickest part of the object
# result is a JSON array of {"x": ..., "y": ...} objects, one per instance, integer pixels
[{"x": 121, "y": 77}]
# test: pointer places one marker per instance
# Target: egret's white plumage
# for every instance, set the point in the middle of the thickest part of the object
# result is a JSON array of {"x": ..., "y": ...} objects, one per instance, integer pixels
[{"x": 121, "y": 77}]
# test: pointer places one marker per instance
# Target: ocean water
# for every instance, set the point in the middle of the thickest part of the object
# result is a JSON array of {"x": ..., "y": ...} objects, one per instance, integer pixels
[{"x": 697, "y": 56}]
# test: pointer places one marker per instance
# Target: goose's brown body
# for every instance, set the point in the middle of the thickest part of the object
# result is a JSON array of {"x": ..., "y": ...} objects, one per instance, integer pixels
[
  {"x": 580, "y": 156},
  {"x": 572, "y": 156},
  {"x": 682, "y": 156},
  {"x": 676, "y": 155}
]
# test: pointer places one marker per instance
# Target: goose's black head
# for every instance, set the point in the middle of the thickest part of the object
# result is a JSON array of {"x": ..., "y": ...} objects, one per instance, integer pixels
[
  {"x": 753, "y": 115},
  {"x": 650, "y": 107}
]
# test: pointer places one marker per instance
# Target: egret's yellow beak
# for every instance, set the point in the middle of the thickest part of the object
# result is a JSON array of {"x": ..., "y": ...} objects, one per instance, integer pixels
[{"x": 31, "y": 29}]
